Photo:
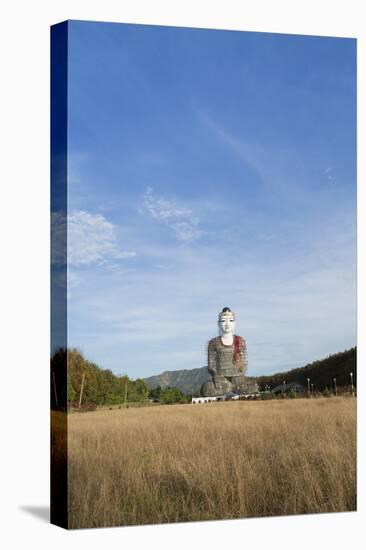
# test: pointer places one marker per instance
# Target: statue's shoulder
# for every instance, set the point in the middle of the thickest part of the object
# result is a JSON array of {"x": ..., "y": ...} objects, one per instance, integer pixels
[
  {"x": 214, "y": 342},
  {"x": 242, "y": 342}
]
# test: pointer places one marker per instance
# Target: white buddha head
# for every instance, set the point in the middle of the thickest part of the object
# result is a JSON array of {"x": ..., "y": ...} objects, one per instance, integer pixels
[{"x": 226, "y": 322}]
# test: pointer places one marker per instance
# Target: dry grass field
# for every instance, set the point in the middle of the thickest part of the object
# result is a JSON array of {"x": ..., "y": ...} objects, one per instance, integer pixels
[{"x": 213, "y": 461}]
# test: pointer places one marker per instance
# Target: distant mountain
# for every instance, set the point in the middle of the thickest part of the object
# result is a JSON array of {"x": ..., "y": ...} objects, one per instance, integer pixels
[
  {"x": 187, "y": 381},
  {"x": 321, "y": 374}
]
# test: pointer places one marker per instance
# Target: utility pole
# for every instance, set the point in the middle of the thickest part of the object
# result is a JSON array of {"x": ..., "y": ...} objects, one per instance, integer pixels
[
  {"x": 309, "y": 386},
  {"x": 54, "y": 387},
  {"x": 126, "y": 394},
  {"x": 352, "y": 389},
  {"x": 335, "y": 386},
  {"x": 81, "y": 389}
]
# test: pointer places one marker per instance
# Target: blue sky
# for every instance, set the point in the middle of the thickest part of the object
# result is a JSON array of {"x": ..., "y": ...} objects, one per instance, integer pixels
[{"x": 208, "y": 169}]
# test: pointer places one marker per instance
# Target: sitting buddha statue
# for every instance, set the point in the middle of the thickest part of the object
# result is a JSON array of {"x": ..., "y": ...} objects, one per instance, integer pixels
[{"x": 227, "y": 359}]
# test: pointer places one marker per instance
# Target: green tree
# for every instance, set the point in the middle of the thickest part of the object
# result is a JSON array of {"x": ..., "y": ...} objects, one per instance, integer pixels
[
  {"x": 292, "y": 393},
  {"x": 169, "y": 396},
  {"x": 155, "y": 393},
  {"x": 141, "y": 389},
  {"x": 70, "y": 392}
]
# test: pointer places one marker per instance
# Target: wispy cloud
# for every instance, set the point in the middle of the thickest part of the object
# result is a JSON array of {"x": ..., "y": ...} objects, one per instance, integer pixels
[
  {"x": 182, "y": 220},
  {"x": 280, "y": 167},
  {"x": 330, "y": 174},
  {"x": 75, "y": 163},
  {"x": 86, "y": 238},
  {"x": 252, "y": 154}
]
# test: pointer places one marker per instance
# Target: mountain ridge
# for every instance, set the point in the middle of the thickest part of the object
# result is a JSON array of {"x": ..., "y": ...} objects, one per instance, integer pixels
[{"x": 321, "y": 372}]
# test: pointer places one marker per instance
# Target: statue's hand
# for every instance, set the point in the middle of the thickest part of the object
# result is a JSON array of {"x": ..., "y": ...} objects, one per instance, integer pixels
[{"x": 217, "y": 380}]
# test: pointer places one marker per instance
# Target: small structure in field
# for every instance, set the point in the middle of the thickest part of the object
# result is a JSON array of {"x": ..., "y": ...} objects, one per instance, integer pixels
[
  {"x": 203, "y": 399},
  {"x": 228, "y": 396}
]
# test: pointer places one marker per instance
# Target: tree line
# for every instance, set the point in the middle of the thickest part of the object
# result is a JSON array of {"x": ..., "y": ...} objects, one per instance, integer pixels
[
  {"x": 87, "y": 383},
  {"x": 73, "y": 376},
  {"x": 168, "y": 396},
  {"x": 321, "y": 373},
  {"x": 100, "y": 386}
]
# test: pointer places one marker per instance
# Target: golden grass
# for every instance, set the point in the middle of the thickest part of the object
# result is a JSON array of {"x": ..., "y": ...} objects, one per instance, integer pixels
[{"x": 213, "y": 461}]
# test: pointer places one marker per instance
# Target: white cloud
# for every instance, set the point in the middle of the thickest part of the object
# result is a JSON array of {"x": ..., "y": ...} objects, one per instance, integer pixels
[
  {"x": 181, "y": 220},
  {"x": 92, "y": 239}
]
